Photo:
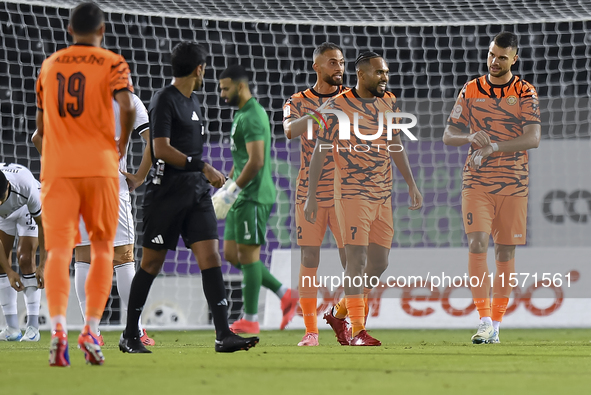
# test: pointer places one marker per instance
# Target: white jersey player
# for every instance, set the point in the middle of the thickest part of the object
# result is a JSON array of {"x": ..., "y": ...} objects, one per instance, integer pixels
[
  {"x": 123, "y": 262},
  {"x": 20, "y": 214}
]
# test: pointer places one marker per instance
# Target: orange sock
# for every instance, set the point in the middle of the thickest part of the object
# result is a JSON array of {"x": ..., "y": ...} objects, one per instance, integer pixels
[
  {"x": 341, "y": 309},
  {"x": 502, "y": 289},
  {"x": 100, "y": 278},
  {"x": 57, "y": 280},
  {"x": 309, "y": 298},
  {"x": 477, "y": 268},
  {"x": 366, "y": 292},
  {"x": 356, "y": 309}
]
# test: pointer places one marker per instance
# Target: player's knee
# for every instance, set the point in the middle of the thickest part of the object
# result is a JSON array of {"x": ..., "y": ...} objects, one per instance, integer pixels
[
  {"x": 504, "y": 253},
  {"x": 25, "y": 262},
  {"x": 231, "y": 255},
  {"x": 477, "y": 245},
  {"x": 310, "y": 256}
]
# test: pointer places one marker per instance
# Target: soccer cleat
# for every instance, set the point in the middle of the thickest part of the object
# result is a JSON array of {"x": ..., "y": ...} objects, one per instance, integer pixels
[
  {"x": 58, "y": 348},
  {"x": 244, "y": 326},
  {"x": 484, "y": 335},
  {"x": 100, "y": 340},
  {"x": 145, "y": 339},
  {"x": 9, "y": 334},
  {"x": 31, "y": 335},
  {"x": 340, "y": 328},
  {"x": 364, "y": 339},
  {"x": 309, "y": 339},
  {"x": 495, "y": 338},
  {"x": 88, "y": 343},
  {"x": 132, "y": 345},
  {"x": 288, "y": 307},
  {"x": 234, "y": 343}
]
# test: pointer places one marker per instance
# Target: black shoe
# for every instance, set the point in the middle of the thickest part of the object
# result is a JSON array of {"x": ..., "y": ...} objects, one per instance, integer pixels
[
  {"x": 234, "y": 342},
  {"x": 132, "y": 345}
]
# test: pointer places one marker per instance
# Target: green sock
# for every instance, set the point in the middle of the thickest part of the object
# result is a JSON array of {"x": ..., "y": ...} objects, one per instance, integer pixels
[
  {"x": 251, "y": 286},
  {"x": 269, "y": 281}
]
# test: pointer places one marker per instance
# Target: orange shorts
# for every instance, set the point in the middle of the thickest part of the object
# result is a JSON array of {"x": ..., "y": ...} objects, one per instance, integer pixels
[
  {"x": 311, "y": 235},
  {"x": 504, "y": 217},
  {"x": 65, "y": 199},
  {"x": 363, "y": 222}
]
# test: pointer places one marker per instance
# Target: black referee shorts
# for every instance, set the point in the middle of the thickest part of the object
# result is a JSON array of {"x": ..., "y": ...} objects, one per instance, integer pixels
[{"x": 180, "y": 205}]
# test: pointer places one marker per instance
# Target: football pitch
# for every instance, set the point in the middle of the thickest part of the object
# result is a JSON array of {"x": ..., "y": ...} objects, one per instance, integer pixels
[{"x": 410, "y": 361}]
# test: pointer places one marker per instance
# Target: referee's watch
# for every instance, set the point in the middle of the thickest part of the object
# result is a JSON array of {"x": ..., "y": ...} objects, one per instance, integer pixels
[{"x": 194, "y": 165}]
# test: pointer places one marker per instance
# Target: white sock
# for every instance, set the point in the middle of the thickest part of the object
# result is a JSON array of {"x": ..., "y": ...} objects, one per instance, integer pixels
[
  {"x": 32, "y": 299},
  {"x": 281, "y": 291},
  {"x": 488, "y": 320},
  {"x": 496, "y": 325},
  {"x": 58, "y": 319},
  {"x": 251, "y": 317},
  {"x": 93, "y": 323},
  {"x": 80, "y": 274},
  {"x": 8, "y": 302}
]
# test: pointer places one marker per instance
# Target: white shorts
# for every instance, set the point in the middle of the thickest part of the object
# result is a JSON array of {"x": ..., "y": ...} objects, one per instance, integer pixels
[
  {"x": 19, "y": 223},
  {"x": 125, "y": 228}
]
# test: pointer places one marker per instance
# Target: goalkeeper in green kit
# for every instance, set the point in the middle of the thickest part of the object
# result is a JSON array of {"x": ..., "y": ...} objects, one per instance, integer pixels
[{"x": 247, "y": 198}]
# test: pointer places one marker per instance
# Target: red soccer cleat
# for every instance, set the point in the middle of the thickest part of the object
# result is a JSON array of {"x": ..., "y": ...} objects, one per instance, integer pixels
[
  {"x": 244, "y": 326},
  {"x": 364, "y": 339},
  {"x": 58, "y": 348},
  {"x": 340, "y": 328},
  {"x": 88, "y": 343},
  {"x": 147, "y": 340},
  {"x": 288, "y": 307}
]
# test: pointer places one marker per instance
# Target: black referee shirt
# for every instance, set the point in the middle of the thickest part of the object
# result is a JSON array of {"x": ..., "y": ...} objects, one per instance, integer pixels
[{"x": 179, "y": 118}]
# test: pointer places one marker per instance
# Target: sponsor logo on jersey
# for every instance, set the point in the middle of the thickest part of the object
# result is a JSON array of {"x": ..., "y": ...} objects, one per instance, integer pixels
[{"x": 194, "y": 117}]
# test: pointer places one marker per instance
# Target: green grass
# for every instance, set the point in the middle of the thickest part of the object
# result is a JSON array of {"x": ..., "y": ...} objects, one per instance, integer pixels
[{"x": 410, "y": 362}]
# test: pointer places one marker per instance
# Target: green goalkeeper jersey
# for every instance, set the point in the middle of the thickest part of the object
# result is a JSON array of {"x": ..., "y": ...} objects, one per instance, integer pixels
[{"x": 251, "y": 123}]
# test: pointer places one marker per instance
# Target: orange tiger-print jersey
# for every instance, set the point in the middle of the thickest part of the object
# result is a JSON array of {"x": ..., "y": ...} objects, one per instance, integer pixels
[{"x": 501, "y": 111}]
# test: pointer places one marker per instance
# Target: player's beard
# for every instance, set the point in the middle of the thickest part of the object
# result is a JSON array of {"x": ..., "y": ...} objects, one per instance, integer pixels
[
  {"x": 499, "y": 73},
  {"x": 233, "y": 100},
  {"x": 374, "y": 91},
  {"x": 329, "y": 79}
]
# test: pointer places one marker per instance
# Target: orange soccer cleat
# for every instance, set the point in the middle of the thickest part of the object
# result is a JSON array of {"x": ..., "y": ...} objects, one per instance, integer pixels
[
  {"x": 58, "y": 348},
  {"x": 88, "y": 343},
  {"x": 288, "y": 307},
  {"x": 244, "y": 326},
  {"x": 147, "y": 340}
]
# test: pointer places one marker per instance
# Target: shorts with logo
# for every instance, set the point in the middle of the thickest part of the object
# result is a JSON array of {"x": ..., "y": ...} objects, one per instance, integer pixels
[
  {"x": 246, "y": 222},
  {"x": 19, "y": 223},
  {"x": 179, "y": 206},
  {"x": 503, "y": 217},
  {"x": 363, "y": 222},
  {"x": 312, "y": 234},
  {"x": 125, "y": 234}
]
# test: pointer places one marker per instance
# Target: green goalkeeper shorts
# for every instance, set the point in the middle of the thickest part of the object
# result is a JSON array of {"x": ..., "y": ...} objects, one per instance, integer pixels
[{"x": 246, "y": 222}]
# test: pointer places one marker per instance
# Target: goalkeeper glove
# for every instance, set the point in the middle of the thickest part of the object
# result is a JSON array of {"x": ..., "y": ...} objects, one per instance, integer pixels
[{"x": 224, "y": 198}]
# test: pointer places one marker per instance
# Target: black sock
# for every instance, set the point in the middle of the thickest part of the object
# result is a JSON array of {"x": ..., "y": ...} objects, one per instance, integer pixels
[
  {"x": 140, "y": 287},
  {"x": 215, "y": 293}
]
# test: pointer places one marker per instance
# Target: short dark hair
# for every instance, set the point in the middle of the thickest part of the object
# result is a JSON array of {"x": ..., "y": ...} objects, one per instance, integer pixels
[
  {"x": 365, "y": 57},
  {"x": 327, "y": 46},
  {"x": 235, "y": 73},
  {"x": 185, "y": 58},
  {"x": 506, "y": 40},
  {"x": 86, "y": 18},
  {"x": 3, "y": 184}
]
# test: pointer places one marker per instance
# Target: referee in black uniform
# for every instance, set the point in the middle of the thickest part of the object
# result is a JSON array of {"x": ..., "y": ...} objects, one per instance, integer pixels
[{"x": 177, "y": 200}]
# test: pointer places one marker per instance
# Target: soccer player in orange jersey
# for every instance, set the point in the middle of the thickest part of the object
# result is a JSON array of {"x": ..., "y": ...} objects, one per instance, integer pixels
[
  {"x": 79, "y": 169},
  {"x": 329, "y": 65},
  {"x": 501, "y": 110},
  {"x": 363, "y": 183}
]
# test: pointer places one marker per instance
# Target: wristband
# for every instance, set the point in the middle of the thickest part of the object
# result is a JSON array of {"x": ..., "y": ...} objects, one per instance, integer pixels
[
  {"x": 494, "y": 146},
  {"x": 194, "y": 165}
]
